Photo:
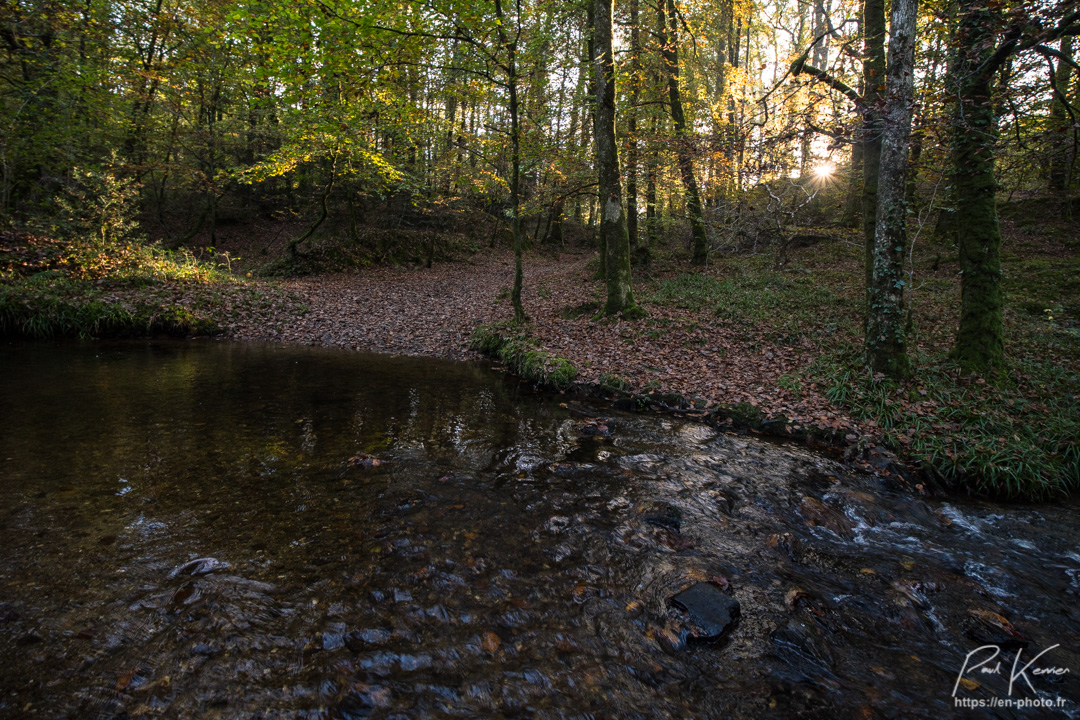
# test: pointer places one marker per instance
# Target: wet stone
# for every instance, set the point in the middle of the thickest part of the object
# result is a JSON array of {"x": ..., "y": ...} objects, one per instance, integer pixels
[
  {"x": 30, "y": 638},
  {"x": 711, "y": 611},
  {"x": 661, "y": 514},
  {"x": 364, "y": 639},
  {"x": 199, "y": 566},
  {"x": 334, "y": 637}
]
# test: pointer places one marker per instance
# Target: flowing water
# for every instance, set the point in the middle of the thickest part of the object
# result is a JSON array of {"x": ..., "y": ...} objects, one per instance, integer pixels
[{"x": 203, "y": 530}]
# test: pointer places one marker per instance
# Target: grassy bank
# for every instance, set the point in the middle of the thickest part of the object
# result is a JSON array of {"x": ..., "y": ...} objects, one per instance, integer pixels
[
  {"x": 50, "y": 288},
  {"x": 1014, "y": 433}
]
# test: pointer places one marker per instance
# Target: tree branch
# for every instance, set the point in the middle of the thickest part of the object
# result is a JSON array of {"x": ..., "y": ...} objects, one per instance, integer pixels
[{"x": 800, "y": 67}]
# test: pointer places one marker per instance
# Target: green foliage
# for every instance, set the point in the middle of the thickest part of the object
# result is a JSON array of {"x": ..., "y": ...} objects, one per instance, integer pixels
[
  {"x": 1016, "y": 442},
  {"x": 615, "y": 382},
  {"x": 510, "y": 344},
  {"x": 73, "y": 308},
  {"x": 792, "y": 303},
  {"x": 98, "y": 207}
]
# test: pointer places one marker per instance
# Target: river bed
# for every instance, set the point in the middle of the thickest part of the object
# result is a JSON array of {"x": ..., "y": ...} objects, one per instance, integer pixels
[{"x": 218, "y": 530}]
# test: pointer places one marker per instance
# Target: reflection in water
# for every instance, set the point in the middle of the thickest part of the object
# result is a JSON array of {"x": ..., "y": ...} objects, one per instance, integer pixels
[{"x": 214, "y": 530}]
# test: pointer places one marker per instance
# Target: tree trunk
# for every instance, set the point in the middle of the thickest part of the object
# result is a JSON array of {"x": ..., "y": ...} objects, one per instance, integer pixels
[
  {"x": 620, "y": 293},
  {"x": 652, "y": 231},
  {"x": 873, "y": 88},
  {"x": 667, "y": 29},
  {"x": 515, "y": 162},
  {"x": 980, "y": 337},
  {"x": 886, "y": 345},
  {"x": 632, "y": 151},
  {"x": 1062, "y": 130},
  {"x": 853, "y": 201}
]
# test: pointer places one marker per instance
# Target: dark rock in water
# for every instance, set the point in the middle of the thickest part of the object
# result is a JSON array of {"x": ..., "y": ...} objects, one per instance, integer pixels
[
  {"x": 30, "y": 638},
  {"x": 8, "y": 613},
  {"x": 186, "y": 594},
  {"x": 712, "y": 613},
  {"x": 726, "y": 501},
  {"x": 204, "y": 649},
  {"x": 819, "y": 514},
  {"x": 333, "y": 637},
  {"x": 365, "y": 639},
  {"x": 990, "y": 628},
  {"x": 199, "y": 566},
  {"x": 595, "y": 427},
  {"x": 661, "y": 514}
]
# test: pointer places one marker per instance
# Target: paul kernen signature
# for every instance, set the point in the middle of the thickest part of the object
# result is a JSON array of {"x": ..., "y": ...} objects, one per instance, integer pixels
[{"x": 993, "y": 652}]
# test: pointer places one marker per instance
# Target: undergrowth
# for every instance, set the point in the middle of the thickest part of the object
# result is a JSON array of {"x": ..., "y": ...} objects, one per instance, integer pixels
[
  {"x": 1017, "y": 438},
  {"x": 51, "y": 288},
  {"x": 1014, "y": 434},
  {"x": 791, "y": 303}
]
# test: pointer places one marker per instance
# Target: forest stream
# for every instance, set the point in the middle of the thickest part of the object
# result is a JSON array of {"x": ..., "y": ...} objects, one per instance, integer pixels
[{"x": 215, "y": 530}]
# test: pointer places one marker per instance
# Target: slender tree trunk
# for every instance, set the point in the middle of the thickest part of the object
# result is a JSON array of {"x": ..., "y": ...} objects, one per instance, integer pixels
[
  {"x": 886, "y": 345},
  {"x": 918, "y": 133},
  {"x": 651, "y": 228},
  {"x": 667, "y": 28},
  {"x": 1062, "y": 127},
  {"x": 632, "y": 139},
  {"x": 873, "y": 89},
  {"x": 802, "y": 39},
  {"x": 853, "y": 201},
  {"x": 515, "y": 163},
  {"x": 594, "y": 90},
  {"x": 620, "y": 292},
  {"x": 980, "y": 337}
]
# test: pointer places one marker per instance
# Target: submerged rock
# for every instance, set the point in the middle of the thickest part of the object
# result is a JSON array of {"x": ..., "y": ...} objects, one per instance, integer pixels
[
  {"x": 817, "y": 513},
  {"x": 990, "y": 628},
  {"x": 199, "y": 566},
  {"x": 712, "y": 612},
  {"x": 661, "y": 514},
  {"x": 595, "y": 427}
]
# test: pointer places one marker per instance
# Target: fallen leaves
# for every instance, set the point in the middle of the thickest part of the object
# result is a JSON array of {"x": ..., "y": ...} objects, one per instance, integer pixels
[{"x": 491, "y": 641}]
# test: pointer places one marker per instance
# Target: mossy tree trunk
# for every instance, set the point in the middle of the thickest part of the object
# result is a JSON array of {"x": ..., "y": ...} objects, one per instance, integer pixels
[
  {"x": 668, "y": 32},
  {"x": 873, "y": 90},
  {"x": 886, "y": 344},
  {"x": 980, "y": 337},
  {"x": 615, "y": 241}
]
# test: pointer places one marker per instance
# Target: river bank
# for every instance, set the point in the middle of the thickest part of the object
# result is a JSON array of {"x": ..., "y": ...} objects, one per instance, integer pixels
[
  {"x": 748, "y": 346},
  {"x": 743, "y": 343}
]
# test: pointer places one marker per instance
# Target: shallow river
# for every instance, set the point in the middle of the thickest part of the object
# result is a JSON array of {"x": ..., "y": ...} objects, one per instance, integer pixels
[{"x": 206, "y": 530}]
